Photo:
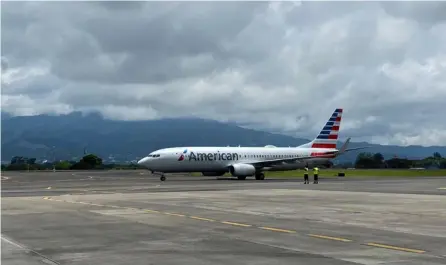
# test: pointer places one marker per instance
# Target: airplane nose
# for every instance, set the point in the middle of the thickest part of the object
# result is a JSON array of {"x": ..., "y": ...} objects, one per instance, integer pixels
[{"x": 143, "y": 161}]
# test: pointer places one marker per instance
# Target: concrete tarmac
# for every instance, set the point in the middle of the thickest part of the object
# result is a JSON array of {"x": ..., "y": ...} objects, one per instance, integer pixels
[{"x": 130, "y": 217}]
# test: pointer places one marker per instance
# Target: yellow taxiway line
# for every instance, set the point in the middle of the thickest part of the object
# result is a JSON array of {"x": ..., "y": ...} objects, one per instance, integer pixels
[
  {"x": 277, "y": 229},
  {"x": 174, "y": 214},
  {"x": 396, "y": 248},
  {"x": 330, "y": 237},
  {"x": 201, "y": 218},
  {"x": 236, "y": 224}
]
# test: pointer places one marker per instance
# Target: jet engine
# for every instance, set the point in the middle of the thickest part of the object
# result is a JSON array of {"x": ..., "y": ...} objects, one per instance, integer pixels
[{"x": 242, "y": 170}]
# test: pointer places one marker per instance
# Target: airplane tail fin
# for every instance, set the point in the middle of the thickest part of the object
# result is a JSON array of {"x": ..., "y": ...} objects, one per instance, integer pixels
[{"x": 328, "y": 136}]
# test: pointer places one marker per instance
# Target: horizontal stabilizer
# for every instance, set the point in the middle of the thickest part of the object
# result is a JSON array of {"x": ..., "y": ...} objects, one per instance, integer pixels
[
  {"x": 344, "y": 149},
  {"x": 356, "y": 148}
]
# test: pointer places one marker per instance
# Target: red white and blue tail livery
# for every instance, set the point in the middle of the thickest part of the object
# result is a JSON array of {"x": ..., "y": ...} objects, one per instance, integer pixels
[
  {"x": 249, "y": 161},
  {"x": 328, "y": 137}
]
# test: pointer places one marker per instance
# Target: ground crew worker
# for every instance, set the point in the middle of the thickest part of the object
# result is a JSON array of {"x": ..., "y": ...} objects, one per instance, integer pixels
[
  {"x": 316, "y": 175},
  {"x": 306, "y": 181}
]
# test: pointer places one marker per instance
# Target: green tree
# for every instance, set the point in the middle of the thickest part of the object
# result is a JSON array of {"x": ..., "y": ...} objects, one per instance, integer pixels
[
  {"x": 443, "y": 163},
  {"x": 63, "y": 165},
  {"x": 364, "y": 160},
  {"x": 378, "y": 157},
  {"x": 399, "y": 163},
  {"x": 378, "y": 160},
  {"x": 92, "y": 160}
]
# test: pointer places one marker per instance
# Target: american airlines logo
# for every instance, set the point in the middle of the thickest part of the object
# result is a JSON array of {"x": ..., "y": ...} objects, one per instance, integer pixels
[
  {"x": 209, "y": 156},
  {"x": 181, "y": 158}
]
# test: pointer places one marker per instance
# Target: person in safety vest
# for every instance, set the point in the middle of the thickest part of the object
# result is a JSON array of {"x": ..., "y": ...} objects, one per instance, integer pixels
[
  {"x": 316, "y": 175},
  {"x": 306, "y": 181}
]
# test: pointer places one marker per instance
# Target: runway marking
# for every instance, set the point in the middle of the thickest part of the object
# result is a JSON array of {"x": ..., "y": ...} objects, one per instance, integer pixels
[
  {"x": 174, "y": 214},
  {"x": 236, "y": 224},
  {"x": 330, "y": 237},
  {"x": 441, "y": 188},
  {"x": 396, "y": 248},
  {"x": 245, "y": 225},
  {"x": 201, "y": 218},
  {"x": 277, "y": 229},
  {"x": 98, "y": 204},
  {"x": 44, "y": 258},
  {"x": 114, "y": 206},
  {"x": 151, "y": 211}
]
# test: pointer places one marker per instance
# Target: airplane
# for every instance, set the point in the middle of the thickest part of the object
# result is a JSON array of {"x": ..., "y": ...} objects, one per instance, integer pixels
[{"x": 243, "y": 162}]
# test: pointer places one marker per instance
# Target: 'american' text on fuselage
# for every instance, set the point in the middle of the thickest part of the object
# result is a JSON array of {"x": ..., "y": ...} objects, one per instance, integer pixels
[{"x": 213, "y": 156}]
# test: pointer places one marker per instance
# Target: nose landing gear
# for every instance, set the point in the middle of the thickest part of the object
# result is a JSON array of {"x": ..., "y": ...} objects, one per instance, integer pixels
[{"x": 162, "y": 177}]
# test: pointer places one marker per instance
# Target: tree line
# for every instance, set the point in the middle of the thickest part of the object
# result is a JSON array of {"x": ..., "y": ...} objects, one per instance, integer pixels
[
  {"x": 376, "y": 160},
  {"x": 88, "y": 162},
  {"x": 94, "y": 162}
]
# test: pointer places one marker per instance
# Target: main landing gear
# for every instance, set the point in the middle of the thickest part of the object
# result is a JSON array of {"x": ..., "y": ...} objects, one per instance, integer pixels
[
  {"x": 162, "y": 178},
  {"x": 260, "y": 176}
]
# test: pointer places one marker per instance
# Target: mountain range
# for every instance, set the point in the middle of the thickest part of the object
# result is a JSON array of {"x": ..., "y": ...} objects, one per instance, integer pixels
[{"x": 66, "y": 137}]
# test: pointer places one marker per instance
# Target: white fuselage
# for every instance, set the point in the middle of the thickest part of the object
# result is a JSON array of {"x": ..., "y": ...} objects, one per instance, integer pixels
[{"x": 218, "y": 159}]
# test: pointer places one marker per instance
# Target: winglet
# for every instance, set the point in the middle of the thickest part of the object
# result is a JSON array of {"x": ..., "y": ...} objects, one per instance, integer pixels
[{"x": 344, "y": 146}]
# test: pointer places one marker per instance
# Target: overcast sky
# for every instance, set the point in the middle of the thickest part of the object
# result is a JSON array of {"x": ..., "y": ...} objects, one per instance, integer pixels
[{"x": 279, "y": 66}]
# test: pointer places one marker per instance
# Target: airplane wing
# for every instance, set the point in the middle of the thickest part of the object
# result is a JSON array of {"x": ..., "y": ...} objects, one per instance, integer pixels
[{"x": 265, "y": 163}]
